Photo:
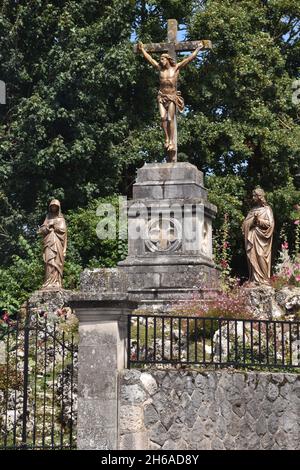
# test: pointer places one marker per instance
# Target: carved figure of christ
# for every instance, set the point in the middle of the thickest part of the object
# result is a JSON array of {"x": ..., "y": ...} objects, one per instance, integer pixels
[{"x": 169, "y": 99}]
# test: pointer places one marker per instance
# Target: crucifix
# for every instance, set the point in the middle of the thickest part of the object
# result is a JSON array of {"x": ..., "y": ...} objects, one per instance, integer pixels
[{"x": 169, "y": 99}]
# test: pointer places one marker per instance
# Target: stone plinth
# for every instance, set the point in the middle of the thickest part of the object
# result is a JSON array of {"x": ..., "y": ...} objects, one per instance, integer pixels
[
  {"x": 169, "y": 181},
  {"x": 170, "y": 233},
  {"x": 49, "y": 300}
]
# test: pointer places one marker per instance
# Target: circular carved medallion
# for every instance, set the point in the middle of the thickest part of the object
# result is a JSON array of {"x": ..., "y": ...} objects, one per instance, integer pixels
[{"x": 163, "y": 234}]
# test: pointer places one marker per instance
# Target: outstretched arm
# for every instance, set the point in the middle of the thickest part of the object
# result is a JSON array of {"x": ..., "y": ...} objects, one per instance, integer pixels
[
  {"x": 191, "y": 57},
  {"x": 147, "y": 56}
]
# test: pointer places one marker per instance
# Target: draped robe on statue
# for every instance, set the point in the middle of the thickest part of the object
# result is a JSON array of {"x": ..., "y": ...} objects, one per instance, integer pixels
[
  {"x": 258, "y": 243},
  {"x": 54, "y": 231}
]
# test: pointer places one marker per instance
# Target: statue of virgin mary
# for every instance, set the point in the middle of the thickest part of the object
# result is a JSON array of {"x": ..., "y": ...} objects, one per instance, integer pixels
[{"x": 54, "y": 232}]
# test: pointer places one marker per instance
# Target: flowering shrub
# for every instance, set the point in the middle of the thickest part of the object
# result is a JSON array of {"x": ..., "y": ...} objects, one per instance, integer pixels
[
  {"x": 222, "y": 251},
  {"x": 228, "y": 301},
  {"x": 287, "y": 268}
]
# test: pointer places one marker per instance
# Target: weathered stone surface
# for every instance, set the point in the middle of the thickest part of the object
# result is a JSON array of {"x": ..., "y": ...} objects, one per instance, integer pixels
[
  {"x": 149, "y": 383},
  {"x": 197, "y": 399},
  {"x": 49, "y": 300},
  {"x": 170, "y": 445},
  {"x": 254, "y": 408},
  {"x": 261, "y": 426},
  {"x": 217, "y": 444},
  {"x": 212, "y": 410},
  {"x": 273, "y": 424},
  {"x": 134, "y": 440},
  {"x": 97, "y": 424},
  {"x": 131, "y": 418},
  {"x": 150, "y": 416},
  {"x": 272, "y": 392},
  {"x": 133, "y": 394},
  {"x": 268, "y": 303},
  {"x": 158, "y": 434}
]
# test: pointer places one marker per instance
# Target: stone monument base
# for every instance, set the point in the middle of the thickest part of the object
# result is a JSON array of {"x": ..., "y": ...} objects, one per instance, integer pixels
[{"x": 49, "y": 300}]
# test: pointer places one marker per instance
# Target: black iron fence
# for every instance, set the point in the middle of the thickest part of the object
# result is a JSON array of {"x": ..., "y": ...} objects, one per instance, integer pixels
[
  {"x": 38, "y": 381},
  {"x": 38, "y": 363},
  {"x": 213, "y": 342}
]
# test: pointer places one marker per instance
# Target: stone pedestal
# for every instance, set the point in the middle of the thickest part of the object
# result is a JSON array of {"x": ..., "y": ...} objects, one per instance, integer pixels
[
  {"x": 170, "y": 233},
  {"x": 49, "y": 300}
]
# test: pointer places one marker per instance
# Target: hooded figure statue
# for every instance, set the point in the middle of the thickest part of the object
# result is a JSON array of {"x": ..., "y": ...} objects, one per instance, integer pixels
[
  {"x": 258, "y": 228},
  {"x": 54, "y": 232}
]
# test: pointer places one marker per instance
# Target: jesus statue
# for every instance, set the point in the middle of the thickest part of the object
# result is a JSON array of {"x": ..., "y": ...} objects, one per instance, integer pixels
[{"x": 169, "y": 99}]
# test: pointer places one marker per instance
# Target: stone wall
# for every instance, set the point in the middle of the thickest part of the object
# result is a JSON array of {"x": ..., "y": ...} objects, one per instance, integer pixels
[{"x": 208, "y": 410}]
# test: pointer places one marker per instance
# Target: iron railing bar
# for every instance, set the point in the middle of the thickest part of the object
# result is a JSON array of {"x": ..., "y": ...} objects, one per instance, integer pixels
[
  {"x": 53, "y": 388},
  {"x": 228, "y": 342},
  {"x": 282, "y": 343},
  {"x": 275, "y": 343},
  {"x": 187, "y": 340},
  {"x": 256, "y": 320},
  {"x": 171, "y": 338},
  {"x": 154, "y": 338},
  {"x": 220, "y": 340},
  {"x": 211, "y": 341},
  {"x": 62, "y": 392},
  {"x": 267, "y": 342},
  {"x": 72, "y": 377},
  {"x": 7, "y": 386},
  {"x": 45, "y": 381},
  {"x": 25, "y": 372},
  {"x": 236, "y": 341},
  {"x": 298, "y": 345},
  {"x": 179, "y": 340},
  {"x": 290, "y": 343},
  {"x": 259, "y": 342},
  {"x": 35, "y": 380},
  {"x": 196, "y": 340},
  {"x": 129, "y": 358},
  {"x": 244, "y": 344},
  {"x": 163, "y": 338},
  {"x": 138, "y": 336},
  {"x": 251, "y": 339},
  {"x": 16, "y": 371},
  {"x": 146, "y": 339}
]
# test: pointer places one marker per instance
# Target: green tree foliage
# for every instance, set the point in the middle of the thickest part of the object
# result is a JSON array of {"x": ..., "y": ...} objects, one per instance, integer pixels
[{"x": 81, "y": 112}]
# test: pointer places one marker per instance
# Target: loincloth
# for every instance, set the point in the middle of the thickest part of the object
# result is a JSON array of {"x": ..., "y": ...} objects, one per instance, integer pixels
[{"x": 166, "y": 99}]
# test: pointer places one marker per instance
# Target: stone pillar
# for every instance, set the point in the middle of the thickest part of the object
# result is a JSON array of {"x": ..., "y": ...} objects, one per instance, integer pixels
[{"x": 102, "y": 354}]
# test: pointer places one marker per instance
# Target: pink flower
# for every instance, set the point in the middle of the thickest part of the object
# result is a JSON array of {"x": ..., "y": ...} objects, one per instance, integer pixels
[
  {"x": 297, "y": 278},
  {"x": 5, "y": 317},
  {"x": 225, "y": 245},
  {"x": 285, "y": 246},
  {"x": 297, "y": 222}
]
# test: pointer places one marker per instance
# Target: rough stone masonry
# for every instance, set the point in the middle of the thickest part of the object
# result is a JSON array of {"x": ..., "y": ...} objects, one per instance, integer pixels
[{"x": 193, "y": 410}]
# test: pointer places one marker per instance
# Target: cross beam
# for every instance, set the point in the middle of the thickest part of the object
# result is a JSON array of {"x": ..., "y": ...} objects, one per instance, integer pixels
[
  {"x": 173, "y": 46},
  {"x": 183, "y": 46}
]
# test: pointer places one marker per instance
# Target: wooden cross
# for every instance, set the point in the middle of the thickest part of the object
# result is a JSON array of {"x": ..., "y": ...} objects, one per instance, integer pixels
[{"x": 171, "y": 47}]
